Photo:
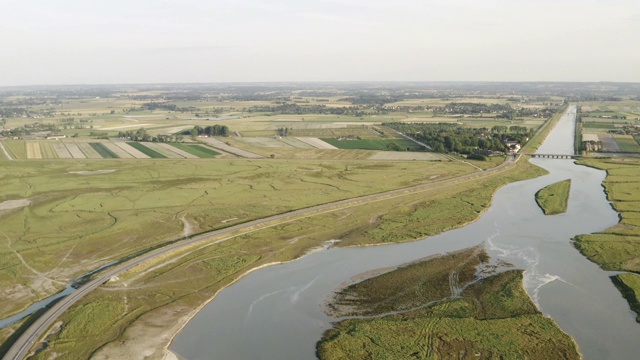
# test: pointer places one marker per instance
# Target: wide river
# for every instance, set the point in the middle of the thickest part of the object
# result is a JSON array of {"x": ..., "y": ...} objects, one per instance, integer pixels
[{"x": 278, "y": 312}]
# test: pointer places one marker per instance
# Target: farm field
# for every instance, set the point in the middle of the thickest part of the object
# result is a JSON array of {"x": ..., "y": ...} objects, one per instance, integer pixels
[
  {"x": 627, "y": 143},
  {"x": 104, "y": 149},
  {"x": 373, "y": 144}
]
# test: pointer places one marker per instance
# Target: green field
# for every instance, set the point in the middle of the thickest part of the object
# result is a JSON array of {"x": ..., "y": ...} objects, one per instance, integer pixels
[
  {"x": 145, "y": 150},
  {"x": 554, "y": 199},
  {"x": 197, "y": 150},
  {"x": 17, "y": 148},
  {"x": 103, "y": 151},
  {"x": 596, "y": 125},
  {"x": 373, "y": 144},
  {"x": 627, "y": 143},
  {"x": 492, "y": 317}
]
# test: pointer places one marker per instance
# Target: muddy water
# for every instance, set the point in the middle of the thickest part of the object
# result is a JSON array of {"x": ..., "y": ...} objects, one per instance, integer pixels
[{"x": 277, "y": 312}]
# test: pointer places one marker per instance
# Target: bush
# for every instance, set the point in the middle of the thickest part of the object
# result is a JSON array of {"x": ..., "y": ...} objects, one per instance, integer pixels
[{"x": 477, "y": 157}]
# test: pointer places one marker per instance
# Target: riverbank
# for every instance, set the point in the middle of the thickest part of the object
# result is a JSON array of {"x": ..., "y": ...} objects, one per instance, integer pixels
[{"x": 618, "y": 248}]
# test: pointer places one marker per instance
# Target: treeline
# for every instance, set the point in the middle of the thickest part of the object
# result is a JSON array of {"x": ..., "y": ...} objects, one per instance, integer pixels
[
  {"x": 28, "y": 129},
  {"x": 449, "y": 138},
  {"x": 505, "y": 111},
  {"x": 215, "y": 130},
  {"x": 295, "y": 109},
  {"x": 142, "y": 135},
  {"x": 167, "y": 107}
]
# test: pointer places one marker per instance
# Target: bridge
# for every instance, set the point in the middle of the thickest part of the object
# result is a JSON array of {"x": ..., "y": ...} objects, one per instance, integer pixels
[{"x": 556, "y": 156}]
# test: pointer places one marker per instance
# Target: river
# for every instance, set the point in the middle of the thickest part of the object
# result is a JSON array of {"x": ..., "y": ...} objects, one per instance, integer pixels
[{"x": 278, "y": 312}]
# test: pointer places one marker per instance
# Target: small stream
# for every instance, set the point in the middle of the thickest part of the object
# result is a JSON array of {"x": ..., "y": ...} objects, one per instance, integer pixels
[
  {"x": 278, "y": 312},
  {"x": 71, "y": 287}
]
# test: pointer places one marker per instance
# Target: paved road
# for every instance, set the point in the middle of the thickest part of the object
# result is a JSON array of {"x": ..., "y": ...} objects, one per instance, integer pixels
[{"x": 21, "y": 347}]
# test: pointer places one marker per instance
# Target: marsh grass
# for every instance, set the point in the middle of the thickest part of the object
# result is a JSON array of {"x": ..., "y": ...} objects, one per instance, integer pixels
[
  {"x": 629, "y": 286},
  {"x": 492, "y": 317},
  {"x": 197, "y": 273},
  {"x": 618, "y": 248},
  {"x": 554, "y": 199},
  {"x": 79, "y": 222}
]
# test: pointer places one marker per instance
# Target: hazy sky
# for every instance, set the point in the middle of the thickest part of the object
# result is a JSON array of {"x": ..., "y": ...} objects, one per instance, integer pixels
[{"x": 160, "y": 41}]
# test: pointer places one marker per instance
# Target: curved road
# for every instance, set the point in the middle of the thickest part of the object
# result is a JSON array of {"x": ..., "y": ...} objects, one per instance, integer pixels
[{"x": 25, "y": 342}]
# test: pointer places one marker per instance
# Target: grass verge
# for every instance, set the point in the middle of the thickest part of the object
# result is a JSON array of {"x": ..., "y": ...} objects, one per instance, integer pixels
[{"x": 554, "y": 199}]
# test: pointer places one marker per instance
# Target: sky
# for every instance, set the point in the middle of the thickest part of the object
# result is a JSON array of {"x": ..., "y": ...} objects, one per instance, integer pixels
[{"x": 209, "y": 41}]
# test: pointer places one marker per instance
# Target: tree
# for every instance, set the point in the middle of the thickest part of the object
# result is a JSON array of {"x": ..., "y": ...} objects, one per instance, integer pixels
[{"x": 393, "y": 147}]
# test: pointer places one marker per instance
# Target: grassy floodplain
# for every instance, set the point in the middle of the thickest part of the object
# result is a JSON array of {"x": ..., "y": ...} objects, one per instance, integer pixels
[
  {"x": 554, "y": 199},
  {"x": 159, "y": 294},
  {"x": 433, "y": 317},
  {"x": 618, "y": 248},
  {"x": 128, "y": 205}
]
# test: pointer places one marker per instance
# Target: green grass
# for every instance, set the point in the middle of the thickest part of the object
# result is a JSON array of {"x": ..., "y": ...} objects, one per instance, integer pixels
[
  {"x": 595, "y": 125},
  {"x": 372, "y": 144},
  {"x": 103, "y": 151},
  {"x": 145, "y": 150},
  {"x": 627, "y": 143},
  {"x": 408, "y": 287},
  {"x": 554, "y": 199},
  {"x": 629, "y": 286},
  {"x": 107, "y": 216},
  {"x": 197, "y": 150},
  {"x": 16, "y": 148},
  {"x": 492, "y": 318}
]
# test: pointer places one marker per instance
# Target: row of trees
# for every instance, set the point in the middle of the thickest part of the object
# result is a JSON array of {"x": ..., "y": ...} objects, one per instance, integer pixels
[
  {"x": 215, "y": 130},
  {"x": 295, "y": 109},
  {"x": 142, "y": 135}
]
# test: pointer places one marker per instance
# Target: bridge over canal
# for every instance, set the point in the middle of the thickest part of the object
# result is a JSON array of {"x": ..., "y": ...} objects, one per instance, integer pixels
[{"x": 556, "y": 156}]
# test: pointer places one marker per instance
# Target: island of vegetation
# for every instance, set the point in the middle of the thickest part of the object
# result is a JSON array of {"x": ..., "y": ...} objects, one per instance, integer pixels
[
  {"x": 459, "y": 305},
  {"x": 554, "y": 199}
]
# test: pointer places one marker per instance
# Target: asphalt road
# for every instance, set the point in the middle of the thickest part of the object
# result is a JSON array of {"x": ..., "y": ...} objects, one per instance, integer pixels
[{"x": 26, "y": 341}]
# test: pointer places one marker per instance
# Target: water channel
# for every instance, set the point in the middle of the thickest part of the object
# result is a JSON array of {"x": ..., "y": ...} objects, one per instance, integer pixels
[{"x": 278, "y": 312}]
